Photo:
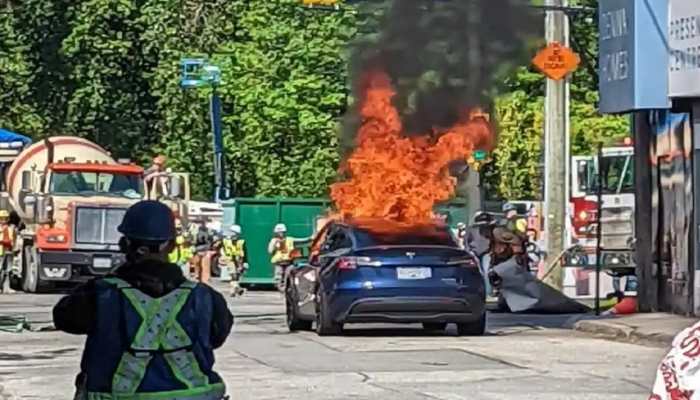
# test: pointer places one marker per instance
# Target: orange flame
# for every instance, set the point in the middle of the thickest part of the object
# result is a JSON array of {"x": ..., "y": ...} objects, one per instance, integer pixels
[{"x": 400, "y": 179}]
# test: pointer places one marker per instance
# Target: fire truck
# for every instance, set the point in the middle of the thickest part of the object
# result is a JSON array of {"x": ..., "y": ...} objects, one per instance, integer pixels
[{"x": 616, "y": 177}]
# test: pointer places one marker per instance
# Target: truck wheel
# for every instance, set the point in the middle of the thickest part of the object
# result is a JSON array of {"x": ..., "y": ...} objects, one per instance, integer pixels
[
  {"x": 15, "y": 282},
  {"x": 30, "y": 270}
]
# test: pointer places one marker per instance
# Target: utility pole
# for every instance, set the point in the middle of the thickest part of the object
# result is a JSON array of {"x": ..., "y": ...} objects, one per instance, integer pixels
[{"x": 556, "y": 147}]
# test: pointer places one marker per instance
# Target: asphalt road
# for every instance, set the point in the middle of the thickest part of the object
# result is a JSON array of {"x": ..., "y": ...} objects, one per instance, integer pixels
[{"x": 522, "y": 357}]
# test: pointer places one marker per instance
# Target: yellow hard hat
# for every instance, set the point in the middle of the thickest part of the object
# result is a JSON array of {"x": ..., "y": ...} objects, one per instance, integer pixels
[{"x": 4, "y": 214}]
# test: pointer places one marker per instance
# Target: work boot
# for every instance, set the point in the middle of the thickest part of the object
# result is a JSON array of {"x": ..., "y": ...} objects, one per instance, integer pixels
[{"x": 5, "y": 287}]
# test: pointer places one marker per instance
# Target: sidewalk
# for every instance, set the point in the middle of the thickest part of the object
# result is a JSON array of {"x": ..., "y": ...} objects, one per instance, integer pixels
[{"x": 653, "y": 328}]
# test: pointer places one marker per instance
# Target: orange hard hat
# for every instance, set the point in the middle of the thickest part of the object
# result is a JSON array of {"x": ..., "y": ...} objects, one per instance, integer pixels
[{"x": 159, "y": 160}]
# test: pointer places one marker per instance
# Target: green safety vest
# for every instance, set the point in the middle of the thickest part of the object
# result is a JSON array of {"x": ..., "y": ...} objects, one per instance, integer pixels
[
  {"x": 233, "y": 250},
  {"x": 159, "y": 332},
  {"x": 182, "y": 253}
]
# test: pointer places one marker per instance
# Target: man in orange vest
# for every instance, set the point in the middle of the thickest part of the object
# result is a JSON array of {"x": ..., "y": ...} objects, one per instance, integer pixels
[{"x": 7, "y": 245}]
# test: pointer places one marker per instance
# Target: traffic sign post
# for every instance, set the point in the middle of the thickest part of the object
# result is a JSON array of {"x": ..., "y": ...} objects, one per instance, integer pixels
[{"x": 556, "y": 61}]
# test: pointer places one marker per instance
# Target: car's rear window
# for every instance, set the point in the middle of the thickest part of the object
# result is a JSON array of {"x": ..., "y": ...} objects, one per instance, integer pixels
[{"x": 424, "y": 237}]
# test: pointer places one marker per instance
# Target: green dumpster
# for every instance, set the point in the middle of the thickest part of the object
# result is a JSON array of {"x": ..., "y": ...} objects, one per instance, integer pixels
[{"x": 258, "y": 217}]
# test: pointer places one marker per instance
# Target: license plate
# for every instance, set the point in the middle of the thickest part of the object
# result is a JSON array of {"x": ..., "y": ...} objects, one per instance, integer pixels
[
  {"x": 414, "y": 273},
  {"x": 101, "y": 262}
]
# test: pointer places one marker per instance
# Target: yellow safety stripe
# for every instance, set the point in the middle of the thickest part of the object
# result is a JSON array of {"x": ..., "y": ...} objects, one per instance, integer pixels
[{"x": 209, "y": 392}]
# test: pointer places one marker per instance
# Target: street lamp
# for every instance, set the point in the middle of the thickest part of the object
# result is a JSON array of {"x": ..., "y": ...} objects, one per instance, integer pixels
[{"x": 198, "y": 73}]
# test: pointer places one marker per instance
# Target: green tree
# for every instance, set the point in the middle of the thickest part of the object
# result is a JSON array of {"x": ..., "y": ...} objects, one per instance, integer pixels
[
  {"x": 505, "y": 177},
  {"x": 288, "y": 83},
  {"x": 17, "y": 109}
]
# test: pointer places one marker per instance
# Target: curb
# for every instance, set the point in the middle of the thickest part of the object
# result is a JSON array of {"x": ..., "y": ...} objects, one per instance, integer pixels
[{"x": 609, "y": 329}]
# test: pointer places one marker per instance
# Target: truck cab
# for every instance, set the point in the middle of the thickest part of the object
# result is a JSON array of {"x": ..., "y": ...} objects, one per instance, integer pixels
[{"x": 71, "y": 213}]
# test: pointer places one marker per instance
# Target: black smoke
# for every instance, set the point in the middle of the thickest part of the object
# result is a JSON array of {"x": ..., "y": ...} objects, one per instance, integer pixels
[{"x": 443, "y": 56}]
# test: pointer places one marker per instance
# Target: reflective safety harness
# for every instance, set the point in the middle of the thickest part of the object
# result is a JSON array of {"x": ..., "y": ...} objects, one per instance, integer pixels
[{"x": 159, "y": 333}]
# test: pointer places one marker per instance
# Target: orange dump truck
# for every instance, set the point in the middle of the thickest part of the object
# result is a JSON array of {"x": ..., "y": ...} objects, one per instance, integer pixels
[{"x": 70, "y": 196}]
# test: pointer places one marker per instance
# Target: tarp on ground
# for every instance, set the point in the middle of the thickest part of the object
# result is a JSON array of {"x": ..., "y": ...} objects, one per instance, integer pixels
[
  {"x": 525, "y": 293},
  {"x": 11, "y": 137}
]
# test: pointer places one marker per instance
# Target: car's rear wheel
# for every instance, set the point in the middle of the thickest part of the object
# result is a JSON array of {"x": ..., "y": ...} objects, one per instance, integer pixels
[
  {"x": 325, "y": 325},
  {"x": 294, "y": 323},
  {"x": 476, "y": 328},
  {"x": 434, "y": 326}
]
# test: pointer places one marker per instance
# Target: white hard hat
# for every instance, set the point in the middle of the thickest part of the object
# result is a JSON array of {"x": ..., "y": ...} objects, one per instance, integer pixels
[
  {"x": 280, "y": 228},
  {"x": 236, "y": 229}
]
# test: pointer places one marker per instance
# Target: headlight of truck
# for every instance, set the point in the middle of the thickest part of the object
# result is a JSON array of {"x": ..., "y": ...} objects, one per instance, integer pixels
[
  {"x": 616, "y": 259},
  {"x": 59, "y": 238}
]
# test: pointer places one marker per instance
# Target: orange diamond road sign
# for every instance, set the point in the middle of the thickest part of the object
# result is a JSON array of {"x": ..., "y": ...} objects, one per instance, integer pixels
[{"x": 556, "y": 61}]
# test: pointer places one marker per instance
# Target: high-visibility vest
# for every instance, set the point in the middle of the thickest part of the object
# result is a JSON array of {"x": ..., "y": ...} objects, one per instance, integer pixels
[
  {"x": 285, "y": 253},
  {"x": 159, "y": 351},
  {"x": 182, "y": 253},
  {"x": 234, "y": 250},
  {"x": 517, "y": 225},
  {"x": 7, "y": 239}
]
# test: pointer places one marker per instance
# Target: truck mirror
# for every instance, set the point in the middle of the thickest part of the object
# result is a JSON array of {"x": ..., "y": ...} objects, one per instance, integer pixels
[
  {"x": 28, "y": 203},
  {"x": 44, "y": 210},
  {"x": 26, "y": 180},
  {"x": 175, "y": 186}
]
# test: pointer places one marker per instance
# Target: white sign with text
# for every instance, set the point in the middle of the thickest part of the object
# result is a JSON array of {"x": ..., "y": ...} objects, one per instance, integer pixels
[{"x": 684, "y": 43}]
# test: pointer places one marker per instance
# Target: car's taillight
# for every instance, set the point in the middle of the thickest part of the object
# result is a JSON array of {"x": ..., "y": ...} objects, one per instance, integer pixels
[
  {"x": 348, "y": 263},
  {"x": 466, "y": 262}
]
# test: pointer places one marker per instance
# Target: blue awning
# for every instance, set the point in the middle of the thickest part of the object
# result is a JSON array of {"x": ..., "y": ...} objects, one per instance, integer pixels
[{"x": 11, "y": 137}]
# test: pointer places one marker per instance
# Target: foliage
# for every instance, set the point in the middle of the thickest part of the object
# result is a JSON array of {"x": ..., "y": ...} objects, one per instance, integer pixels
[
  {"x": 520, "y": 116},
  {"x": 108, "y": 70},
  {"x": 16, "y": 106},
  {"x": 521, "y": 124}
]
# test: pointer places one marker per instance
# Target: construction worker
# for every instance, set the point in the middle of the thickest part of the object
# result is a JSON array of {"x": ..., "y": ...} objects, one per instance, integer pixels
[
  {"x": 280, "y": 248},
  {"x": 183, "y": 251},
  {"x": 234, "y": 253},
  {"x": 7, "y": 246},
  {"x": 150, "y": 332},
  {"x": 203, "y": 241},
  {"x": 157, "y": 167},
  {"x": 514, "y": 222},
  {"x": 155, "y": 176}
]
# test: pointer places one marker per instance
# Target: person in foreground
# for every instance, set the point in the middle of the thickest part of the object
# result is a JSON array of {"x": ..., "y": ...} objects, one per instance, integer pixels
[
  {"x": 677, "y": 377},
  {"x": 151, "y": 333}
]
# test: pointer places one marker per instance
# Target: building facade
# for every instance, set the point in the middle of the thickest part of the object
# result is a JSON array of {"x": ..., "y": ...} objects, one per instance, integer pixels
[{"x": 650, "y": 69}]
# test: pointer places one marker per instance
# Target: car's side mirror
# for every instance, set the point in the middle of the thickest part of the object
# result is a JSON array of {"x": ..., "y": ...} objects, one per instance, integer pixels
[
  {"x": 28, "y": 202},
  {"x": 44, "y": 210},
  {"x": 175, "y": 187}
]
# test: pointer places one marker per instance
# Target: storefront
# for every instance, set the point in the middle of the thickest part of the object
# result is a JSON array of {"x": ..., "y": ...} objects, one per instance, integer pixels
[{"x": 650, "y": 69}]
